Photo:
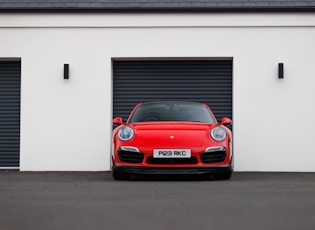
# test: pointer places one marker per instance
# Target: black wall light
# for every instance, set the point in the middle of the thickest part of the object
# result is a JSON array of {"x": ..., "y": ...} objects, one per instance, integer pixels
[
  {"x": 66, "y": 71},
  {"x": 280, "y": 70}
]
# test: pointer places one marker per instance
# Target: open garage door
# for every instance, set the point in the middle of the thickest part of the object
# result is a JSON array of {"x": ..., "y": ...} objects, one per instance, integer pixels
[
  {"x": 208, "y": 81},
  {"x": 10, "y": 88}
]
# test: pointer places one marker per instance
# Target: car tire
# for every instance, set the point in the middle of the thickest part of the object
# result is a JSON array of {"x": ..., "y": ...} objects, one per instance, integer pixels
[
  {"x": 223, "y": 176},
  {"x": 120, "y": 176}
]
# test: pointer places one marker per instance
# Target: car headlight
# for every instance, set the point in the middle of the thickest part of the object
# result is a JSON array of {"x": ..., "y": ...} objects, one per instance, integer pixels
[
  {"x": 125, "y": 133},
  {"x": 218, "y": 133}
]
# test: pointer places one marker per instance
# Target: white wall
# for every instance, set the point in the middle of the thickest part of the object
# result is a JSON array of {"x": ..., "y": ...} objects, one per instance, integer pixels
[{"x": 66, "y": 124}]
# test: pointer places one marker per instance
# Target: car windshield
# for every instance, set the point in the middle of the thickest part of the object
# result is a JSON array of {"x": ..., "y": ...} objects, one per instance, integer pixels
[{"x": 172, "y": 111}]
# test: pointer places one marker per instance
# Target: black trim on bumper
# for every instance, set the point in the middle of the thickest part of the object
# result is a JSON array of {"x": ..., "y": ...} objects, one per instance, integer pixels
[{"x": 168, "y": 170}]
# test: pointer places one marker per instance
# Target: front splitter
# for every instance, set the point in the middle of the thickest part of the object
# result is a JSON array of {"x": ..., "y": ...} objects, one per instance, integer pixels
[{"x": 171, "y": 170}]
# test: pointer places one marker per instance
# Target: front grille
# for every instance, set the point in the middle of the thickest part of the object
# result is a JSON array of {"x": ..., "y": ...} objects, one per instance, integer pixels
[
  {"x": 130, "y": 157},
  {"x": 213, "y": 157},
  {"x": 152, "y": 160}
]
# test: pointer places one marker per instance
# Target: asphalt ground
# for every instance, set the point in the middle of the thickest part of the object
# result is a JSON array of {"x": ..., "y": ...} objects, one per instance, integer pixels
[{"x": 93, "y": 200}]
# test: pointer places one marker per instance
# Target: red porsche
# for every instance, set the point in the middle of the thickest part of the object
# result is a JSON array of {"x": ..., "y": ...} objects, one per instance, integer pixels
[{"x": 172, "y": 138}]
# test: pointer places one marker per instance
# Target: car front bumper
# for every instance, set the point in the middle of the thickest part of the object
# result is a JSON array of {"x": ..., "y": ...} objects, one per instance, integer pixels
[{"x": 122, "y": 169}]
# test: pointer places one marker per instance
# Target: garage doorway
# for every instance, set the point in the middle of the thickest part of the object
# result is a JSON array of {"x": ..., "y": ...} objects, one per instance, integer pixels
[
  {"x": 208, "y": 81},
  {"x": 10, "y": 89}
]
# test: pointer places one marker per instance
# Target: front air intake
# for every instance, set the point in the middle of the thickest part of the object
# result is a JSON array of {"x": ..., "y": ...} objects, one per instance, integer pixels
[{"x": 130, "y": 156}]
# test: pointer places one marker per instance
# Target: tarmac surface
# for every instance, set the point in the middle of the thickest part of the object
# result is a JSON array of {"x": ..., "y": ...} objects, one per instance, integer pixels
[{"x": 93, "y": 200}]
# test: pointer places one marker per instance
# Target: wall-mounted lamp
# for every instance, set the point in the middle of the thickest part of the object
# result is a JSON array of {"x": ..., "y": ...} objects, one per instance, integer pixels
[
  {"x": 280, "y": 70},
  {"x": 66, "y": 71}
]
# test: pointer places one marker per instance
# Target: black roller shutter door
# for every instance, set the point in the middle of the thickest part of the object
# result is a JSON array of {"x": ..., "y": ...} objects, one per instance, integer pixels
[
  {"x": 10, "y": 87},
  {"x": 201, "y": 81}
]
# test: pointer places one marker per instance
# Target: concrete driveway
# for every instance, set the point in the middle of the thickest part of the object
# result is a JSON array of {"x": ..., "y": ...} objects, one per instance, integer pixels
[{"x": 93, "y": 200}]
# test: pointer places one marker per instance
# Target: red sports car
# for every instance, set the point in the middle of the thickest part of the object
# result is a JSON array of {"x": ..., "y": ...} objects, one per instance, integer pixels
[{"x": 172, "y": 138}]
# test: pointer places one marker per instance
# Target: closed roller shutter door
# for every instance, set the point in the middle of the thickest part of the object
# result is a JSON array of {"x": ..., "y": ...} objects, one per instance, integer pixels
[
  {"x": 10, "y": 83},
  {"x": 200, "y": 81}
]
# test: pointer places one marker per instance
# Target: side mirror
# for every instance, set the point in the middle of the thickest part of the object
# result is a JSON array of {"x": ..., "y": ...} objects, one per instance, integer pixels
[
  {"x": 117, "y": 121},
  {"x": 226, "y": 121}
]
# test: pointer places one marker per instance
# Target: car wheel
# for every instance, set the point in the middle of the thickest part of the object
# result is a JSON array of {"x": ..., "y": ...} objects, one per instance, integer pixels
[
  {"x": 120, "y": 176},
  {"x": 223, "y": 176}
]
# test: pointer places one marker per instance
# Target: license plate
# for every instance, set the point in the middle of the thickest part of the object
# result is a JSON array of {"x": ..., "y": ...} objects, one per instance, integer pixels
[{"x": 171, "y": 153}]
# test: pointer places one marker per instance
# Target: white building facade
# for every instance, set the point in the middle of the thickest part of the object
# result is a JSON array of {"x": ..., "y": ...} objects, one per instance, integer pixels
[{"x": 66, "y": 124}]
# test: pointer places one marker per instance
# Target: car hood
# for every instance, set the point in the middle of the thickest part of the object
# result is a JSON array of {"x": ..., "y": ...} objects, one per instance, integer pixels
[{"x": 172, "y": 134}]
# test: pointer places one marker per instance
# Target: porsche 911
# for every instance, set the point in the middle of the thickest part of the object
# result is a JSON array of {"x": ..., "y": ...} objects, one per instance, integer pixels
[{"x": 172, "y": 137}]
